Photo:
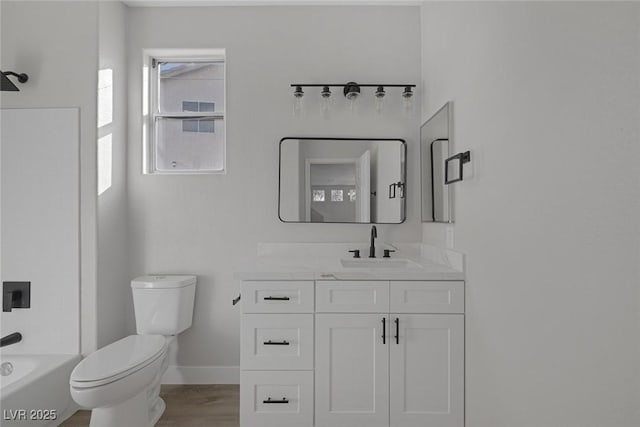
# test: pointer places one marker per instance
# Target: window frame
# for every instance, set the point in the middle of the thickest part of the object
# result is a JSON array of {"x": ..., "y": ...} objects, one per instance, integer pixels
[{"x": 151, "y": 106}]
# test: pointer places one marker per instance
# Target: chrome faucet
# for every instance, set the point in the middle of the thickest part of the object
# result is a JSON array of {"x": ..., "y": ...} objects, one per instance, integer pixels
[{"x": 372, "y": 248}]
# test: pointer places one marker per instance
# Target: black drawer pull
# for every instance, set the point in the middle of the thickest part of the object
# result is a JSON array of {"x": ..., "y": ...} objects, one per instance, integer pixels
[
  {"x": 384, "y": 330},
  {"x": 269, "y": 400},
  {"x": 276, "y": 298},
  {"x": 397, "y": 337},
  {"x": 276, "y": 342}
]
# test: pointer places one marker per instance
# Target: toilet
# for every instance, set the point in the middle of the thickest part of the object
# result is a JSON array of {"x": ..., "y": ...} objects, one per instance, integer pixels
[{"x": 120, "y": 382}]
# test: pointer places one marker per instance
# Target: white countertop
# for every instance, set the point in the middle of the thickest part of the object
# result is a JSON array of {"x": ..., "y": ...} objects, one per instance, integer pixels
[{"x": 322, "y": 261}]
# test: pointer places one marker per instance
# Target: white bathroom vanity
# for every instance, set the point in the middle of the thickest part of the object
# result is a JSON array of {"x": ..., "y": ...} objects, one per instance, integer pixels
[{"x": 328, "y": 340}]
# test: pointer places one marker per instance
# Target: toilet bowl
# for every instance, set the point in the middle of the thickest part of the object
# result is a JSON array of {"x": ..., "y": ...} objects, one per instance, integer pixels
[
  {"x": 116, "y": 374},
  {"x": 120, "y": 382}
]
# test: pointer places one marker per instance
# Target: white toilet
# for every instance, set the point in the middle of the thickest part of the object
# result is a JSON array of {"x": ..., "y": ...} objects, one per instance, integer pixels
[{"x": 121, "y": 381}]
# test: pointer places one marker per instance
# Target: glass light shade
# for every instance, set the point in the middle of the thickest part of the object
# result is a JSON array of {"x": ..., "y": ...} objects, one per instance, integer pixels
[
  {"x": 407, "y": 98},
  {"x": 352, "y": 97},
  {"x": 379, "y": 94},
  {"x": 297, "y": 101},
  {"x": 325, "y": 101}
]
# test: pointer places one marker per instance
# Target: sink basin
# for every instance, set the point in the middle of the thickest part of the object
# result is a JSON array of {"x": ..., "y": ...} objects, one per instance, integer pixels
[{"x": 378, "y": 263}]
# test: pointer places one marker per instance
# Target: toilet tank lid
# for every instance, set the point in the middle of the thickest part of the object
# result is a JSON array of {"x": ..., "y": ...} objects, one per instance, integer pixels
[{"x": 162, "y": 281}]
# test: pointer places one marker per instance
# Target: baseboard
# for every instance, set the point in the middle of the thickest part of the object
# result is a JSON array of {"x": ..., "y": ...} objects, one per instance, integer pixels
[{"x": 202, "y": 375}]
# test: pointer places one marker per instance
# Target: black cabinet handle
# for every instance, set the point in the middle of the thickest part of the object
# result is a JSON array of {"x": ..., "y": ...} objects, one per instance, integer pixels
[
  {"x": 276, "y": 298},
  {"x": 276, "y": 342},
  {"x": 269, "y": 400},
  {"x": 384, "y": 330},
  {"x": 397, "y": 337}
]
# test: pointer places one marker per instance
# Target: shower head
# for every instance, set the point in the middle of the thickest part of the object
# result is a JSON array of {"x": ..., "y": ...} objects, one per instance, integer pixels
[{"x": 8, "y": 85}]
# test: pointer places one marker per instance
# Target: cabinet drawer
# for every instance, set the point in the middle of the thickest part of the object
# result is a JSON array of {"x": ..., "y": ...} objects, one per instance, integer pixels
[
  {"x": 276, "y": 398},
  {"x": 348, "y": 296},
  {"x": 427, "y": 297},
  {"x": 276, "y": 341},
  {"x": 277, "y": 297}
]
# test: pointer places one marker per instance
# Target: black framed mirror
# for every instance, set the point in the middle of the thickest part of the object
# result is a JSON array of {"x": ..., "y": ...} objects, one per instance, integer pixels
[
  {"x": 342, "y": 180},
  {"x": 435, "y": 148}
]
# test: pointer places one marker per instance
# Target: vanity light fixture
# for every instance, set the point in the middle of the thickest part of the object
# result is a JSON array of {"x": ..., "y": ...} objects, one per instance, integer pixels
[{"x": 352, "y": 91}]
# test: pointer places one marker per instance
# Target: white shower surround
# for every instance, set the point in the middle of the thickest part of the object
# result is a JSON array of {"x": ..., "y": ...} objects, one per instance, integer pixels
[
  {"x": 40, "y": 244},
  {"x": 40, "y": 227}
]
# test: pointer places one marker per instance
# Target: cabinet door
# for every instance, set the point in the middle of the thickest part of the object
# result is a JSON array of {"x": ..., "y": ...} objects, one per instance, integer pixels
[
  {"x": 352, "y": 370},
  {"x": 427, "y": 370}
]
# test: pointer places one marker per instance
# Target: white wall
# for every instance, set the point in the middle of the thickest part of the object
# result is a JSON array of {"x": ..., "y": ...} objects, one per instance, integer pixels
[
  {"x": 546, "y": 97},
  {"x": 55, "y": 43},
  {"x": 209, "y": 225},
  {"x": 41, "y": 227},
  {"x": 114, "y": 309}
]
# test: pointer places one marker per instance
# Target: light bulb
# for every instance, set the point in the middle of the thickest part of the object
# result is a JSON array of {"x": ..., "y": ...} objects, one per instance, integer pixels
[
  {"x": 352, "y": 97},
  {"x": 407, "y": 98},
  {"x": 352, "y": 92},
  {"x": 379, "y": 94},
  {"x": 297, "y": 101},
  {"x": 325, "y": 101}
]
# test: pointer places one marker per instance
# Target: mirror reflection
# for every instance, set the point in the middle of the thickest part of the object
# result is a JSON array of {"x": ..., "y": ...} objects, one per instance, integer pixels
[
  {"x": 343, "y": 180},
  {"x": 435, "y": 148}
]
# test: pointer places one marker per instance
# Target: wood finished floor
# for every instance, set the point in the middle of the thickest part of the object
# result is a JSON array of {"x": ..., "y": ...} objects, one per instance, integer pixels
[{"x": 189, "y": 406}]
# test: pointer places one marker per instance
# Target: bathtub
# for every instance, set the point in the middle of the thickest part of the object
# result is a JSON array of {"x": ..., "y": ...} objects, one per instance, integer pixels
[{"x": 36, "y": 393}]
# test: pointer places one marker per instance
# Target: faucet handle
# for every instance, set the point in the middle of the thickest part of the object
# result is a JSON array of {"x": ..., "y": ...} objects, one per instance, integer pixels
[
  {"x": 356, "y": 253},
  {"x": 7, "y": 301},
  {"x": 16, "y": 295},
  {"x": 387, "y": 253}
]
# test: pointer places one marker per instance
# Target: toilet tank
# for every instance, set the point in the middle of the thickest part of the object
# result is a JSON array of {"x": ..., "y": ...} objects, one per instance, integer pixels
[{"x": 163, "y": 304}]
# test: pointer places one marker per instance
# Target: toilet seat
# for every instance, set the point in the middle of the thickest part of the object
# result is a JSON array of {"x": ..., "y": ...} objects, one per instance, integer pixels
[{"x": 118, "y": 360}]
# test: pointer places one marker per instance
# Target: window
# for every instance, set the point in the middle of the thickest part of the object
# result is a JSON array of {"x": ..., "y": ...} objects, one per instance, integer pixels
[
  {"x": 186, "y": 113},
  {"x": 318, "y": 195},
  {"x": 198, "y": 125}
]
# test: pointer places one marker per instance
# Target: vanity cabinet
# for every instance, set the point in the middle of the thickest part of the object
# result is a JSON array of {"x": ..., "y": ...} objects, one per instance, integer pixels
[{"x": 358, "y": 353}]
